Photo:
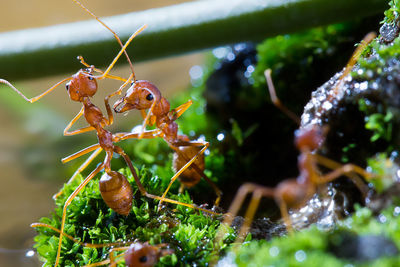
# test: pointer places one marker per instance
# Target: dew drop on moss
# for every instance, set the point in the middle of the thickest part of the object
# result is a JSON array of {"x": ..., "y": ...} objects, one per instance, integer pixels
[{"x": 300, "y": 255}]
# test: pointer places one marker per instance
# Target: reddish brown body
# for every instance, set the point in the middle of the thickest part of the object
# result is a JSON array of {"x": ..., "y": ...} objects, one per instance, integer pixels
[
  {"x": 144, "y": 255},
  {"x": 116, "y": 192},
  {"x": 190, "y": 177},
  {"x": 189, "y": 158},
  {"x": 294, "y": 193},
  {"x": 114, "y": 187}
]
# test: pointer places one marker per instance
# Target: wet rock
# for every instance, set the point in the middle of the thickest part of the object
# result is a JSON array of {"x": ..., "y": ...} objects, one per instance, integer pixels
[
  {"x": 262, "y": 228},
  {"x": 389, "y": 31}
]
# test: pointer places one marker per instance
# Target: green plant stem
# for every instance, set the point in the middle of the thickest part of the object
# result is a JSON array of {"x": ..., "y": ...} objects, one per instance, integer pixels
[{"x": 172, "y": 30}]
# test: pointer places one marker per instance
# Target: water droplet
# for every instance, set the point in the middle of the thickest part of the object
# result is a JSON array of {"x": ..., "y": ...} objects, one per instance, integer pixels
[
  {"x": 220, "y": 137},
  {"x": 230, "y": 56},
  {"x": 382, "y": 218},
  {"x": 221, "y": 52},
  {"x": 274, "y": 251},
  {"x": 327, "y": 105},
  {"x": 300, "y": 256},
  {"x": 396, "y": 211},
  {"x": 30, "y": 253},
  {"x": 363, "y": 86},
  {"x": 196, "y": 72}
]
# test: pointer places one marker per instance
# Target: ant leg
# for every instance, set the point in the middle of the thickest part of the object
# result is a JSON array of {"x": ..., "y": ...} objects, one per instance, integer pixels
[
  {"x": 354, "y": 58},
  {"x": 143, "y": 190},
  {"x": 177, "y": 112},
  {"x": 346, "y": 170},
  {"x": 176, "y": 175},
  {"x": 81, "y": 153},
  {"x": 275, "y": 100},
  {"x": 78, "y": 131},
  {"x": 351, "y": 174},
  {"x": 218, "y": 192},
  {"x": 146, "y": 135},
  {"x": 79, "y": 170},
  {"x": 258, "y": 192},
  {"x": 36, "y": 98},
  {"x": 121, "y": 51},
  {"x": 89, "y": 245},
  {"x": 115, "y": 35},
  {"x": 69, "y": 200},
  {"x": 146, "y": 119},
  {"x": 285, "y": 215},
  {"x": 118, "y": 92},
  {"x": 109, "y": 76}
]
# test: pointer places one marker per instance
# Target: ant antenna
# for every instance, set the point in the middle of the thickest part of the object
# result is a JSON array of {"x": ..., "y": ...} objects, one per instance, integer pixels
[
  {"x": 115, "y": 35},
  {"x": 275, "y": 100}
]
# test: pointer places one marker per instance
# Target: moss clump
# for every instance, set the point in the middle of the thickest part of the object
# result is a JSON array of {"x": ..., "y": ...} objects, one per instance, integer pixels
[
  {"x": 313, "y": 247},
  {"x": 186, "y": 231}
]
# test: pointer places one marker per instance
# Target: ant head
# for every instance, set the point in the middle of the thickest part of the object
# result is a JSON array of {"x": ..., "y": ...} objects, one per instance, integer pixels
[
  {"x": 82, "y": 84},
  {"x": 310, "y": 138},
  {"x": 142, "y": 255},
  {"x": 141, "y": 95}
]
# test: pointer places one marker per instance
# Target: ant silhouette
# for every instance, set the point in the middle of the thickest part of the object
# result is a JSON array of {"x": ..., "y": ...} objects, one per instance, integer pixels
[
  {"x": 294, "y": 193},
  {"x": 136, "y": 254},
  {"x": 189, "y": 155}
]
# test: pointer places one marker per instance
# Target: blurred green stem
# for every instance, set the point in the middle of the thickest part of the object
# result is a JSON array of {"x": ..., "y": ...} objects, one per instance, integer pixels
[{"x": 172, "y": 30}]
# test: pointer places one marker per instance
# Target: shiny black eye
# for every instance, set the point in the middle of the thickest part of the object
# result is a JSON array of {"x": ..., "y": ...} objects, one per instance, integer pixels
[
  {"x": 67, "y": 86},
  {"x": 143, "y": 259},
  {"x": 149, "y": 97},
  {"x": 90, "y": 78}
]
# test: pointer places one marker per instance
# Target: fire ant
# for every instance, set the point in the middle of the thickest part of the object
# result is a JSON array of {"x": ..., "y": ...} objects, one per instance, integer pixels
[
  {"x": 189, "y": 157},
  {"x": 294, "y": 193},
  {"x": 136, "y": 255}
]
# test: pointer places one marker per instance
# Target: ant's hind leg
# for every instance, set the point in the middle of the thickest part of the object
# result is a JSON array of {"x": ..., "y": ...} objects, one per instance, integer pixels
[
  {"x": 176, "y": 175},
  {"x": 79, "y": 170},
  {"x": 69, "y": 200}
]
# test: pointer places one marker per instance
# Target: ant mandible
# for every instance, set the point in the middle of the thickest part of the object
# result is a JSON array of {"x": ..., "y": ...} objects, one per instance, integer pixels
[
  {"x": 136, "y": 255},
  {"x": 144, "y": 95},
  {"x": 294, "y": 193}
]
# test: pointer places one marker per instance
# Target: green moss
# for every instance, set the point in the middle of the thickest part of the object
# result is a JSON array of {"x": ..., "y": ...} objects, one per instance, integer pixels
[
  {"x": 312, "y": 247},
  {"x": 186, "y": 231}
]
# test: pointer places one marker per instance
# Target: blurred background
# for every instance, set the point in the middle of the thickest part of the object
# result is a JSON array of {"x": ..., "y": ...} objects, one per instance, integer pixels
[{"x": 31, "y": 141}]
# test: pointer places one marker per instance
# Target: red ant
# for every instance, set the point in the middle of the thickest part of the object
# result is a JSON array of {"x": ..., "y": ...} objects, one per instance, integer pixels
[
  {"x": 294, "y": 193},
  {"x": 115, "y": 189},
  {"x": 136, "y": 255},
  {"x": 144, "y": 95}
]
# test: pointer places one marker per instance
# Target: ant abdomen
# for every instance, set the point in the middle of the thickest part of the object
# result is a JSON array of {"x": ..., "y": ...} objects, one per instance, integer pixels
[
  {"x": 116, "y": 192},
  {"x": 190, "y": 176}
]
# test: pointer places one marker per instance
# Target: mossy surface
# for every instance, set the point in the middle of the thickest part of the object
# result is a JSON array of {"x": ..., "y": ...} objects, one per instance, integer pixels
[{"x": 185, "y": 230}]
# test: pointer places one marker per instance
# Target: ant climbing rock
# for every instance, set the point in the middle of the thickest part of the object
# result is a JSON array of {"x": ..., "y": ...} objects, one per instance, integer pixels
[
  {"x": 294, "y": 193},
  {"x": 144, "y": 95}
]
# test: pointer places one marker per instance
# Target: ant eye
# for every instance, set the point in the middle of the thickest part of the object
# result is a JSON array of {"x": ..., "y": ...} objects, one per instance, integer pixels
[
  {"x": 149, "y": 97},
  {"x": 67, "y": 86},
  {"x": 143, "y": 259}
]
